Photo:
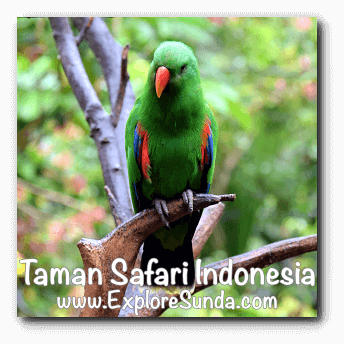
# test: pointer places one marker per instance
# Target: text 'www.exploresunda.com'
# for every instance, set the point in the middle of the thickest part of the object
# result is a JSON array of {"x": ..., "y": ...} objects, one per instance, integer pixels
[{"x": 186, "y": 302}]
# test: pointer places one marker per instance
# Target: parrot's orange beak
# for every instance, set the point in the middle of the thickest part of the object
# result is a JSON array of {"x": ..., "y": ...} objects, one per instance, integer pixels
[{"x": 162, "y": 77}]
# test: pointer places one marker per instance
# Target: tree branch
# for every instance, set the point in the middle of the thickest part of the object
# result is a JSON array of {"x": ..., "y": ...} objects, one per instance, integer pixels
[
  {"x": 60, "y": 198},
  {"x": 116, "y": 111},
  {"x": 115, "y": 207},
  {"x": 109, "y": 141},
  {"x": 83, "y": 31},
  {"x": 125, "y": 242},
  {"x": 210, "y": 218},
  {"x": 259, "y": 258},
  {"x": 266, "y": 255},
  {"x": 109, "y": 56}
]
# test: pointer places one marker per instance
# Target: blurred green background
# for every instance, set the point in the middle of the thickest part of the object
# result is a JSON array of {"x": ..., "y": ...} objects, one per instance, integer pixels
[{"x": 259, "y": 77}]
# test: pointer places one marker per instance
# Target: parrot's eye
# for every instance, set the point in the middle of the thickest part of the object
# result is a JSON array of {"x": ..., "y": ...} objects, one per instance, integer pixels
[{"x": 182, "y": 68}]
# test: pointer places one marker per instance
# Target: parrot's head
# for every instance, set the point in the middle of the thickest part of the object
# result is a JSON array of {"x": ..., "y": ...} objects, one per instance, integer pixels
[{"x": 174, "y": 69}]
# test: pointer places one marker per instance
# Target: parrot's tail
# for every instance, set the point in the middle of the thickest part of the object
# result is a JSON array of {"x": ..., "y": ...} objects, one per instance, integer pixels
[{"x": 180, "y": 260}]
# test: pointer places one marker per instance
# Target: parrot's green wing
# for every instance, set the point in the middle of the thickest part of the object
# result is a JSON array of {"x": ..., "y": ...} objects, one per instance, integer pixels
[
  {"x": 134, "y": 172},
  {"x": 215, "y": 133}
]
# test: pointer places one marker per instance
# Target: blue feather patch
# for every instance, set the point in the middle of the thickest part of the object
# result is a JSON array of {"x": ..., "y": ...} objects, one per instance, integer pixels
[
  {"x": 137, "y": 143},
  {"x": 210, "y": 147}
]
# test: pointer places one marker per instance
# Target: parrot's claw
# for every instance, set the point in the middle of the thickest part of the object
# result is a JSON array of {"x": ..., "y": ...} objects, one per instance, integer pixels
[
  {"x": 161, "y": 208},
  {"x": 188, "y": 199}
]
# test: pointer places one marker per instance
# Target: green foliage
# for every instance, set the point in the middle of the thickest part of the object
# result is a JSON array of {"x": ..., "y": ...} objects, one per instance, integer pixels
[{"x": 259, "y": 76}]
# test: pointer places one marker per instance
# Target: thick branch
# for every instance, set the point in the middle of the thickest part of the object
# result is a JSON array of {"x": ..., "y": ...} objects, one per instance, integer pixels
[
  {"x": 124, "y": 242},
  {"x": 266, "y": 256},
  {"x": 109, "y": 56},
  {"x": 110, "y": 142},
  {"x": 74, "y": 68}
]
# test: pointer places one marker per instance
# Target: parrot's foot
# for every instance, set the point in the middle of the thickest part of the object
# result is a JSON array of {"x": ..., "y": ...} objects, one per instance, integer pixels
[
  {"x": 188, "y": 199},
  {"x": 161, "y": 208}
]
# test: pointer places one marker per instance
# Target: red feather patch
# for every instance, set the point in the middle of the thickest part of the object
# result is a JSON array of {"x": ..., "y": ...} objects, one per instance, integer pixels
[
  {"x": 144, "y": 160},
  {"x": 206, "y": 132}
]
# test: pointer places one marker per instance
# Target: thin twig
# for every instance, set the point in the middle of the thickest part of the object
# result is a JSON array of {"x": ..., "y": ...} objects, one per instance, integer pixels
[
  {"x": 60, "y": 198},
  {"x": 83, "y": 31},
  {"x": 115, "y": 208},
  {"x": 116, "y": 111}
]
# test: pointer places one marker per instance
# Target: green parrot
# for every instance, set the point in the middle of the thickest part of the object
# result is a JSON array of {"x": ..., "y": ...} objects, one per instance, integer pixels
[{"x": 171, "y": 141}]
